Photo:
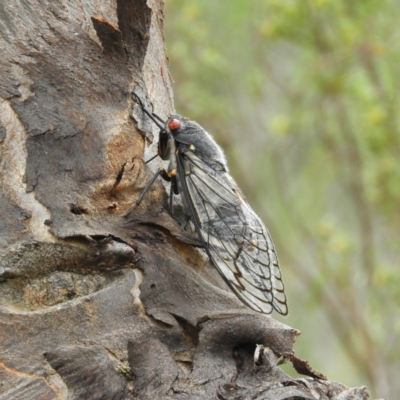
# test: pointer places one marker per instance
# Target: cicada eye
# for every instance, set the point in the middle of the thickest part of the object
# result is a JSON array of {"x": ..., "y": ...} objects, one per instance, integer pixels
[{"x": 174, "y": 124}]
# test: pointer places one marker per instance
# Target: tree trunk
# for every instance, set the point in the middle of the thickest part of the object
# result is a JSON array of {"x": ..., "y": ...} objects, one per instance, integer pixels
[{"x": 94, "y": 305}]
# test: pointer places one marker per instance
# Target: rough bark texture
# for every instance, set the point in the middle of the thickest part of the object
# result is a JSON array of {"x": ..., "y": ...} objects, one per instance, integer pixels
[{"x": 94, "y": 305}]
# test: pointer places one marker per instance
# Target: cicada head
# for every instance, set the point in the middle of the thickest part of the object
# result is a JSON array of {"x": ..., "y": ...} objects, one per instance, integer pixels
[{"x": 190, "y": 133}]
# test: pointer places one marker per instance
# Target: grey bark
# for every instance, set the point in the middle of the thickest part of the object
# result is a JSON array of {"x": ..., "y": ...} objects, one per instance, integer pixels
[{"x": 94, "y": 305}]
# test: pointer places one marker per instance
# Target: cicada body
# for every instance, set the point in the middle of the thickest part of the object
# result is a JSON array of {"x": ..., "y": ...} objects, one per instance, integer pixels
[{"x": 233, "y": 236}]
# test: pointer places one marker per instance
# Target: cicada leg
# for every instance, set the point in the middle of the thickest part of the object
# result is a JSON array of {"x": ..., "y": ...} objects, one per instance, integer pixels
[
  {"x": 174, "y": 189},
  {"x": 161, "y": 172}
]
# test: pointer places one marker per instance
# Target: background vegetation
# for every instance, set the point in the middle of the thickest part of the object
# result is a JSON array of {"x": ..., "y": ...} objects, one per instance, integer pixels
[{"x": 303, "y": 95}]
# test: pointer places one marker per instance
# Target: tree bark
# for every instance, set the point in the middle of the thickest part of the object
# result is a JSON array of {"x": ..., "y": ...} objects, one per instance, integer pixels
[{"x": 94, "y": 305}]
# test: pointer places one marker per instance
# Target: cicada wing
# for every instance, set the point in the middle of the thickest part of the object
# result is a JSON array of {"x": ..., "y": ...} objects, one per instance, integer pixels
[{"x": 234, "y": 237}]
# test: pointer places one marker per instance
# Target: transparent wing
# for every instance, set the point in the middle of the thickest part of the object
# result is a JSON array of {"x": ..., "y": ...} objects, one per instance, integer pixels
[{"x": 234, "y": 237}]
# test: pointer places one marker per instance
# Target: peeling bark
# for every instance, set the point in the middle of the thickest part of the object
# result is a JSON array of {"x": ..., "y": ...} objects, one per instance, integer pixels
[{"x": 94, "y": 305}]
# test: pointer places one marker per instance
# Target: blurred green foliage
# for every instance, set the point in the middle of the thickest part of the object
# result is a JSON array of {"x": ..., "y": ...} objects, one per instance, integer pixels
[{"x": 303, "y": 95}]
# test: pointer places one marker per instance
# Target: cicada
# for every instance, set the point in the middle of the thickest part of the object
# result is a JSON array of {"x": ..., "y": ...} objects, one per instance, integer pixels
[{"x": 235, "y": 239}]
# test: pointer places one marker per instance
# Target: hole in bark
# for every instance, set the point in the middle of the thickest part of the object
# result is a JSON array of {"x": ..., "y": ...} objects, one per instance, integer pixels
[
  {"x": 244, "y": 355},
  {"x": 153, "y": 286},
  {"x": 77, "y": 210}
]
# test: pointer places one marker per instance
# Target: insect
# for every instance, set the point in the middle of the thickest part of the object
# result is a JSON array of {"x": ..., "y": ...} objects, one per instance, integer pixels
[{"x": 233, "y": 236}]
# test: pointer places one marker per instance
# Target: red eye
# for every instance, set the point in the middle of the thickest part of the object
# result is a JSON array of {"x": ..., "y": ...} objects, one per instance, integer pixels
[{"x": 174, "y": 124}]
